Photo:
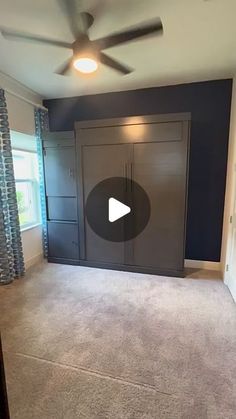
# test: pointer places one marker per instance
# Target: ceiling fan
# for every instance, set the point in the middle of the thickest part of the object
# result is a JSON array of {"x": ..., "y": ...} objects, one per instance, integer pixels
[{"x": 88, "y": 53}]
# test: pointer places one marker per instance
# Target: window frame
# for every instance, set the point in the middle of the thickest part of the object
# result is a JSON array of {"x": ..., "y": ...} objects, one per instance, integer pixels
[{"x": 35, "y": 192}]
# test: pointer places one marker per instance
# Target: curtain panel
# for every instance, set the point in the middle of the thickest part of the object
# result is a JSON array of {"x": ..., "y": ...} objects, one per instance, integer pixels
[
  {"x": 11, "y": 253},
  {"x": 42, "y": 125}
]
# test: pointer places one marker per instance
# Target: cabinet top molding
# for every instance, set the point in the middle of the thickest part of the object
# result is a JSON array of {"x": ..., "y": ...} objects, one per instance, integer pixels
[{"x": 134, "y": 120}]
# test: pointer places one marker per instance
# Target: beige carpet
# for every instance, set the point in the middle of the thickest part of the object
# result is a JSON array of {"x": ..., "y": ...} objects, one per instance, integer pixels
[{"x": 92, "y": 343}]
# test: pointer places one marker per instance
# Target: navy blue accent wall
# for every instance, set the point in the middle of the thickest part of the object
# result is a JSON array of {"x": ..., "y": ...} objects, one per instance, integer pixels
[{"x": 209, "y": 104}]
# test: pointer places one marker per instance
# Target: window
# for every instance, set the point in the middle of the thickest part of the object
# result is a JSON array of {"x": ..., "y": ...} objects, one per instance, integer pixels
[{"x": 27, "y": 187}]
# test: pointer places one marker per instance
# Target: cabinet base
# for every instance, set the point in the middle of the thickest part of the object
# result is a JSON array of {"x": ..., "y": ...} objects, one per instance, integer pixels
[
  {"x": 63, "y": 261},
  {"x": 127, "y": 268}
]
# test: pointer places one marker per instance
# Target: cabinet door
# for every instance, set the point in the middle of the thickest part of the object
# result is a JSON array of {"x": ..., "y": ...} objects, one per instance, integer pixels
[
  {"x": 160, "y": 168},
  {"x": 60, "y": 176},
  {"x": 99, "y": 163},
  {"x": 62, "y": 208},
  {"x": 63, "y": 240}
]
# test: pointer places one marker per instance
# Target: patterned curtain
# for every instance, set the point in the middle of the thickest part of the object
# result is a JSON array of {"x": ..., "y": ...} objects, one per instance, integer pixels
[
  {"x": 11, "y": 254},
  {"x": 41, "y": 125}
]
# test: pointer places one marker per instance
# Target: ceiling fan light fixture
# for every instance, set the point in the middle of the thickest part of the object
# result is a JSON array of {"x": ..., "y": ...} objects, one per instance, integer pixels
[{"x": 85, "y": 65}]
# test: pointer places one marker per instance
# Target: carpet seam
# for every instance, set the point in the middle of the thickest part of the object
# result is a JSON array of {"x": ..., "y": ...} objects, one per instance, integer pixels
[{"x": 92, "y": 372}]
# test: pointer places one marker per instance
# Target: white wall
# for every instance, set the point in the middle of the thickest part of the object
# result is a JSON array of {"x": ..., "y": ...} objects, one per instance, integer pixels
[
  {"x": 230, "y": 184},
  {"x": 21, "y": 119},
  {"x": 13, "y": 86},
  {"x": 32, "y": 245}
]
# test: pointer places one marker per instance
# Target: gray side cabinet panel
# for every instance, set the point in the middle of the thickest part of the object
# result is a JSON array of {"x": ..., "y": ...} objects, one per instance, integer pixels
[
  {"x": 58, "y": 143},
  {"x": 61, "y": 195},
  {"x": 58, "y": 139},
  {"x": 62, "y": 208},
  {"x": 63, "y": 240},
  {"x": 60, "y": 174}
]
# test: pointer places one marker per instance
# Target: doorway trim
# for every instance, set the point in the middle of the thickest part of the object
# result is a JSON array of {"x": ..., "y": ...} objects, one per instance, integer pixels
[{"x": 229, "y": 197}]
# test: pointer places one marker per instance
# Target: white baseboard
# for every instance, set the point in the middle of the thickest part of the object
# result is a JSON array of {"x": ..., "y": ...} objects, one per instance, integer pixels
[
  {"x": 232, "y": 287},
  {"x": 188, "y": 263},
  {"x": 202, "y": 264},
  {"x": 231, "y": 284},
  {"x": 33, "y": 261}
]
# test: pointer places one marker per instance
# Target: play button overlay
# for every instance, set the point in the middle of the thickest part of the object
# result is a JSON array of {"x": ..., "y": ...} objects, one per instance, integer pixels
[{"x": 117, "y": 209}]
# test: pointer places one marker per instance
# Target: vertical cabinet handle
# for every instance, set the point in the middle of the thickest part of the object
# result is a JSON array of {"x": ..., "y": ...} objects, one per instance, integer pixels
[
  {"x": 71, "y": 172},
  {"x": 126, "y": 176},
  {"x": 130, "y": 179},
  {"x": 131, "y": 176}
]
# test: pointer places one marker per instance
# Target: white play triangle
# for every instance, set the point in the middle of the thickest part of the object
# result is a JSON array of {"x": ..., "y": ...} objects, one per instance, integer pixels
[{"x": 116, "y": 209}]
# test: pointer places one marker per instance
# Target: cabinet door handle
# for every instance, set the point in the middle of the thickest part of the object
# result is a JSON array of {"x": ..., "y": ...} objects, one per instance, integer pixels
[
  {"x": 71, "y": 172},
  {"x": 131, "y": 176},
  {"x": 126, "y": 176}
]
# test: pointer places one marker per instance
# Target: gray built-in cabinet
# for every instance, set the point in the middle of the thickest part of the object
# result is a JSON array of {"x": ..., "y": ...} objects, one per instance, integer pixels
[
  {"x": 61, "y": 196},
  {"x": 153, "y": 151}
]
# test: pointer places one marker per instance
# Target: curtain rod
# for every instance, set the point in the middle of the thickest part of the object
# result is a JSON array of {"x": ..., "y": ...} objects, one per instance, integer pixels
[{"x": 37, "y": 105}]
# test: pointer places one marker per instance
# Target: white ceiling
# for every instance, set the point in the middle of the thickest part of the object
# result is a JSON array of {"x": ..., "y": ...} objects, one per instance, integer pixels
[{"x": 199, "y": 43}]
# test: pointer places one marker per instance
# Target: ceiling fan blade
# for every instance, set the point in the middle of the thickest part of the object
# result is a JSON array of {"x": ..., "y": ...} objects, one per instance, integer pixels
[
  {"x": 87, "y": 19},
  {"x": 97, "y": 9},
  {"x": 65, "y": 68},
  {"x": 117, "y": 38},
  {"x": 72, "y": 10},
  {"x": 115, "y": 65},
  {"x": 21, "y": 36}
]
